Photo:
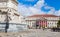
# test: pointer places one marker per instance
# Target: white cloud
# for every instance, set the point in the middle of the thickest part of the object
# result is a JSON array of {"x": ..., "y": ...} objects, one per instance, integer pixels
[
  {"x": 52, "y": 11},
  {"x": 39, "y": 4},
  {"x": 57, "y": 12},
  {"x": 23, "y": 10},
  {"x": 48, "y": 7},
  {"x": 36, "y": 9},
  {"x": 31, "y": 10}
]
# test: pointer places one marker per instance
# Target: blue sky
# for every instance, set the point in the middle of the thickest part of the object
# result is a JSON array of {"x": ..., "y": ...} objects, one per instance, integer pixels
[
  {"x": 53, "y": 3},
  {"x": 45, "y": 6},
  {"x": 28, "y": 2}
]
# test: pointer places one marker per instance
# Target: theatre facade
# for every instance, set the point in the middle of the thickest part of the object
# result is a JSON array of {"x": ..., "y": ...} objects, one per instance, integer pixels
[{"x": 42, "y": 21}]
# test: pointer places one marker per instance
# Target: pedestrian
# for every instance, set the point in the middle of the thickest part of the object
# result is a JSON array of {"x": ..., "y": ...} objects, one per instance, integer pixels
[{"x": 43, "y": 28}]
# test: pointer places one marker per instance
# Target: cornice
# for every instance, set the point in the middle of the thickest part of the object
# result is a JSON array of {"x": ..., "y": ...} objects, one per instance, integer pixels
[
  {"x": 3, "y": 0},
  {"x": 15, "y": 2}
]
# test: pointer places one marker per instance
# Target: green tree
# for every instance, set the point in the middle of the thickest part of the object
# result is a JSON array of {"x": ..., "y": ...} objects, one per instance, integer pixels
[{"x": 58, "y": 24}]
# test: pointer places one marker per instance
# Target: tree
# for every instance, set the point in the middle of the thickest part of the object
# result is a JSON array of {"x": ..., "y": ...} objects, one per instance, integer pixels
[{"x": 58, "y": 24}]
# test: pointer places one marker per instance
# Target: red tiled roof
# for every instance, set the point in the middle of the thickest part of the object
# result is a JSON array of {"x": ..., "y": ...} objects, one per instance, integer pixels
[{"x": 43, "y": 15}]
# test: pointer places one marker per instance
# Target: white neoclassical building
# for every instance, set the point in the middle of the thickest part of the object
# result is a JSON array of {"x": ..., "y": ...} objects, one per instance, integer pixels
[
  {"x": 42, "y": 20},
  {"x": 9, "y": 14}
]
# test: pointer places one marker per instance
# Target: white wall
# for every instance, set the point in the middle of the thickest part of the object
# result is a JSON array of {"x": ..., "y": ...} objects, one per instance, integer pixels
[
  {"x": 52, "y": 23},
  {"x": 3, "y": 4},
  {"x": 10, "y": 4}
]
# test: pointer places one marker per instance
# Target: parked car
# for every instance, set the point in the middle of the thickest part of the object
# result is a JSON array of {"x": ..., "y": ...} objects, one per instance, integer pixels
[{"x": 55, "y": 29}]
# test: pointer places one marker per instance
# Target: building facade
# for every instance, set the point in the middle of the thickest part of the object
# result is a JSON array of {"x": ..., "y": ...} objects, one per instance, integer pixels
[
  {"x": 42, "y": 20},
  {"x": 10, "y": 7},
  {"x": 9, "y": 15}
]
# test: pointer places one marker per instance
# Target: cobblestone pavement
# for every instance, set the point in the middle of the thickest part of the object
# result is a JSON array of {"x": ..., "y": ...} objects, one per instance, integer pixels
[{"x": 32, "y": 33}]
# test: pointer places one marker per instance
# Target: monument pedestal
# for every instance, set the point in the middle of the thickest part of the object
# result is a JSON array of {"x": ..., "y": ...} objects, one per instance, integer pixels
[{"x": 12, "y": 28}]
